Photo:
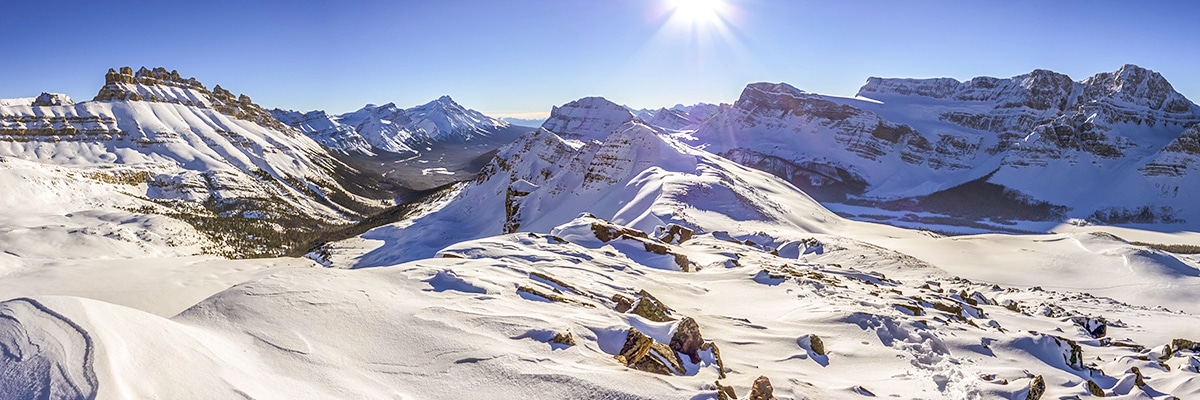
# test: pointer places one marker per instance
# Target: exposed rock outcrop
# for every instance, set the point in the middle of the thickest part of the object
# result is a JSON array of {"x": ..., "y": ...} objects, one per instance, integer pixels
[
  {"x": 606, "y": 232},
  {"x": 52, "y": 99},
  {"x": 1094, "y": 389},
  {"x": 817, "y": 345},
  {"x": 643, "y": 353},
  {"x": 762, "y": 389},
  {"x": 1139, "y": 380},
  {"x": 724, "y": 392},
  {"x": 565, "y": 339},
  {"x": 677, "y": 234},
  {"x": 1037, "y": 388},
  {"x": 651, "y": 308},
  {"x": 687, "y": 339},
  {"x": 159, "y": 85},
  {"x": 1096, "y": 327}
]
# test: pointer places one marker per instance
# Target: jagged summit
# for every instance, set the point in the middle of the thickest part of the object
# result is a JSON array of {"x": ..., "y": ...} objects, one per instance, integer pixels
[
  {"x": 1138, "y": 86},
  {"x": 1031, "y": 135},
  {"x": 52, "y": 99},
  {"x": 1043, "y": 89},
  {"x": 162, "y": 86},
  {"x": 589, "y": 118}
]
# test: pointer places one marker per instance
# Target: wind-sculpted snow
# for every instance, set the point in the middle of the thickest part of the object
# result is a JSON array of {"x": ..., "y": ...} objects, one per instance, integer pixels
[
  {"x": 538, "y": 315},
  {"x": 44, "y": 354}
]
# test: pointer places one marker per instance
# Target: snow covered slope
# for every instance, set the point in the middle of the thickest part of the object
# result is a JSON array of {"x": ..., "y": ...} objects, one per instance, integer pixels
[
  {"x": 601, "y": 257},
  {"x": 635, "y": 176},
  {"x": 591, "y": 309},
  {"x": 392, "y": 129},
  {"x": 205, "y": 156},
  {"x": 1103, "y": 147}
]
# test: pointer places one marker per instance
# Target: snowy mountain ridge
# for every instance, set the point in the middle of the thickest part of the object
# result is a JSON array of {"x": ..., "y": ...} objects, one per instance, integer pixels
[
  {"x": 914, "y": 138},
  {"x": 392, "y": 129},
  {"x": 603, "y": 257},
  {"x": 190, "y": 152},
  {"x": 678, "y": 117}
]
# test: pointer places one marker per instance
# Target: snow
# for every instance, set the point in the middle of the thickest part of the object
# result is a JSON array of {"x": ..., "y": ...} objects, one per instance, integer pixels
[
  {"x": 393, "y": 129},
  {"x": 967, "y": 130},
  {"x": 465, "y": 296}
]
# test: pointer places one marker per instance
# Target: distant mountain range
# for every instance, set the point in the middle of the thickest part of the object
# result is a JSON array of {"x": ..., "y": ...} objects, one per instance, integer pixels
[
  {"x": 391, "y": 129},
  {"x": 1118, "y": 147},
  {"x": 611, "y": 253}
]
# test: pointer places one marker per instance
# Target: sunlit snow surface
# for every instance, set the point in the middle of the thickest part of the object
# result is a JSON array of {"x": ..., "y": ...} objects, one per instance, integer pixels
[{"x": 440, "y": 306}]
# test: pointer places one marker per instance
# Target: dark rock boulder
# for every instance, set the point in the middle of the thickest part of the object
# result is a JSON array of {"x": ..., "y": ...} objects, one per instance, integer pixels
[
  {"x": 565, "y": 339},
  {"x": 650, "y": 308},
  {"x": 1094, "y": 389},
  {"x": 762, "y": 390},
  {"x": 816, "y": 344},
  {"x": 724, "y": 392},
  {"x": 1096, "y": 327},
  {"x": 677, "y": 234},
  {"x": 1139, "y": 380},
  {"x": 1037, "y": 388},
  {"x": 623, "y": 303},
  {"x": 643, "y": 353},
  {"x": 687, "y": 339}
]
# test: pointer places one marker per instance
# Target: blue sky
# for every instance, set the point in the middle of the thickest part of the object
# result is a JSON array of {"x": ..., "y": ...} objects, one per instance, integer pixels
[{"x": 523, "y": 56}]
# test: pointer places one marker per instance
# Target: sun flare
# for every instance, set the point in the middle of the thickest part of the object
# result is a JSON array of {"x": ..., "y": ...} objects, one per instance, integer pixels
[{"x": 698, "y": 11}]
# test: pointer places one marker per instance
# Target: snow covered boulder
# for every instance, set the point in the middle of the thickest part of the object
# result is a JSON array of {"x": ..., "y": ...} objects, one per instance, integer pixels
[
  {"x": 592, "y": 232},
  {"x": 52, "y": 99},
  {"x": 1096, "y": 327},
  {"x": 677, "y": 234}
]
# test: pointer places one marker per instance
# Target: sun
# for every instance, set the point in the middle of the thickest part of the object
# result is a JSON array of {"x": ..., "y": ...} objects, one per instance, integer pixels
[{"x": 697, "y": 11}]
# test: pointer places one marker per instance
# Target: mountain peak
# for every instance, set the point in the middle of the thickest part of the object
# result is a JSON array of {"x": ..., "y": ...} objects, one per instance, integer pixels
[
  {"x": 589, "y": 118},
  {"x": 161, "y": 86},
  {"x": 1140, "y": 86},
  {"x": 52, "y": 99},
  {"x": 768, "y": 87},
  {"x": 393, "y": 129}
]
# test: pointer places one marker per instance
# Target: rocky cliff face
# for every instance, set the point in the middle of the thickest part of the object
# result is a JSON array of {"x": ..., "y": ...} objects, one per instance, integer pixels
[
  {"x": 159, "y": 85},
  {"x": 904, "y": 138}
]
